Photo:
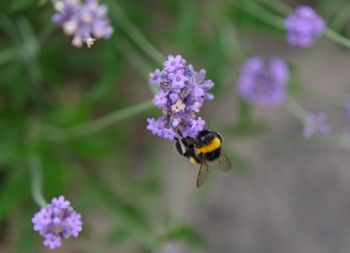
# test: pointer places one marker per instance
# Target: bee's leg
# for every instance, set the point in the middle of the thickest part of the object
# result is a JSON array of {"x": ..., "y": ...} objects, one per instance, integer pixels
[
  {"x": 200, "y": 158},
  {"x": 180, "y": 146},
  {"x": 179, "y": 133},
  {"x": 189, "y": 153}
]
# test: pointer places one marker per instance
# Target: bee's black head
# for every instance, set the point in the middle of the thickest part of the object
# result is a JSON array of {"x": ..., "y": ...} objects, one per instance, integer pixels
[{"x": 205, "y": 136}]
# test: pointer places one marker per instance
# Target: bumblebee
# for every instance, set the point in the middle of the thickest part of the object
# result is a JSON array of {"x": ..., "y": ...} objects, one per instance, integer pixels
[{"x": 205, "y": 150}]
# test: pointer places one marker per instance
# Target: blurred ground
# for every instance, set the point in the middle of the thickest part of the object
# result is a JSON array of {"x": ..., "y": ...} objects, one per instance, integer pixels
[{"x": 296, "y": 197}]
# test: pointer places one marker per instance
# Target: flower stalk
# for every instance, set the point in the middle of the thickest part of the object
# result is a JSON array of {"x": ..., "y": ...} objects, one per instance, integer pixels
[
  {"x": 256, "y": 10},
  {"x": 133, "y": 32},
  {"x": 295, "y": 109},
  {"x": 35, "y": 166},
  {"x": 98, "y": 125}
]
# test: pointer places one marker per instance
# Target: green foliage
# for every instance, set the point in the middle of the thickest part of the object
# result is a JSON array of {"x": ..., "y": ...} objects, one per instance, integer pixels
[
  {"x": 13, "y": 190},
  {"x": 82, "y": 112},
  {"x": 185, "y": 233}
]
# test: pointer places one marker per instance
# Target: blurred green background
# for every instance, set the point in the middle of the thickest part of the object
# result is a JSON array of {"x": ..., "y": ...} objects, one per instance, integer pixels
[{"x": 136, "y": 194}]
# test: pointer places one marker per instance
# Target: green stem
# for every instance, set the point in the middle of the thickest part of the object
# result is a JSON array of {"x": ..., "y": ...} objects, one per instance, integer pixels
[
  {"x": 8, "y": 55},
  {"x": 295, "y": 109},
  {"x": 338, "y": 99},
  {"x": 342, "y": 140},
  {"x": 230, "y": 43},
  {"x": 260, "y": 13},
  {"x": 35, "y": 166},
  {"x": 140, "y": 64},
  {"x": 30, "y": 49},
  {"x": 97, "y": 125},
  {"x": 336, "y": 37},
  {"x": 134, "y": 33},
  {"x": 278, "y": 6},
  {"x": 341, "y": 18}
]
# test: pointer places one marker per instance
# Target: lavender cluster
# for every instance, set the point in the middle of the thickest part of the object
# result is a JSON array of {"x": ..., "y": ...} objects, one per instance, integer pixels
[
  {"x": 85, "y": 22},
  {"x": 263, "y": 81},
  {"x": 182, "y": 92},
  {"x": 57, "y": 221},
  {"x": 303, "y": 27}
]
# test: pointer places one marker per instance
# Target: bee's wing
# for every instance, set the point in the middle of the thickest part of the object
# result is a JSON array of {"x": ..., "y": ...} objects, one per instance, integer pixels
[
  {"x": 223, "y": 162},
  {"x": 202, "y": 174}
]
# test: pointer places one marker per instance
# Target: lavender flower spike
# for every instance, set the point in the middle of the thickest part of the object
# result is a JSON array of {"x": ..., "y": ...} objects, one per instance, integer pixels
[
  {"x": 263, "y": 82},
  {"x": 303, "y": 27},
  {"x": 182, "y": 92},
  {"x": 85, "y": 22},
  {"x": 57, "y": 221},
  {"x": 315, "y": 123}
]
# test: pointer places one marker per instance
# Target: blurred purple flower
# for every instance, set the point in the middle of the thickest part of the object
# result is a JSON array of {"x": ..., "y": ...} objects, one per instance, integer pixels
[
  {"x": 57, "y": 221},
  {"x": 181, "y": 95},
  {"x": 315, "y": 123},
  {"x": 85, "y": 22},
  {"x": 263, "y": 82},
  {"x": 303, "y": 26},
  {"x": 347, "y": 108}
]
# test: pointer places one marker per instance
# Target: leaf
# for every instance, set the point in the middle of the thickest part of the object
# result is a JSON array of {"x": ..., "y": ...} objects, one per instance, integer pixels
[
  {"x": 22, "y": 5},
  {"x": 215, "y": 65},
  {"x": 128, "y": 212},
  {"x": 108, "y": 78},
  {"x": 185, "y": 233},
  {"x": 185, "y": 22},
  {"x": 132, "y": 218},
  {"x": 247, "y": 15},
  {"x": 8, "y": 55},
  {"x": 26, "y": 241},
  {"x": 55, "y": 173},
  {"x": 92, "y": 148},
  {"x": 13, "y": 191},
  {"x": 8, "y": 146}
]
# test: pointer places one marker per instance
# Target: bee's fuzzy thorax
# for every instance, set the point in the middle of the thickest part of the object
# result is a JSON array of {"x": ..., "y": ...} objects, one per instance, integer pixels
[{"x": 213, "y": 145}]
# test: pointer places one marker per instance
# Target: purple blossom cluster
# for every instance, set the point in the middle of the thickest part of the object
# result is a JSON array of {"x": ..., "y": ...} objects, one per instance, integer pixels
[
  {"x": 182, "y": 92},
  {"x": 304, "y": 26},
  {"x": 263, "y": 81},
  {"x": 57, "y": 221},
  {"x": 315, "y": 123},
  {"x": 85, "y": 22}
]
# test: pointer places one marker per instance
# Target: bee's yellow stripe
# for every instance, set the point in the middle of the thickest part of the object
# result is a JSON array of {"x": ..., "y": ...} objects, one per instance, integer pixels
[
  {"x": 213, "y": 145},
  {"x": 193, "y": 160}
]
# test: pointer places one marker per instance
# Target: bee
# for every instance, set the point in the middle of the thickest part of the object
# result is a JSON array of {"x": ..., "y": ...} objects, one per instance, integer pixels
[{"x": 205, "y": 150}]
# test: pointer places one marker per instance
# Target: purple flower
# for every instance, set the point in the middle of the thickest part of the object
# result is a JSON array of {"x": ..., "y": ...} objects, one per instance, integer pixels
[
  {"x": 85, "y": 22},
  {"x": 155, "y": 77},
  {"x": 263, "y": 82},
  {"x": 303, "y": 27},
  {"x": 347, "y": 108},
  {"x": 181, "y": 95},
  {"x": 57, "y": 221},
  {"x": 174, "y": 62},
  {"x": 315, "y": 123}
]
